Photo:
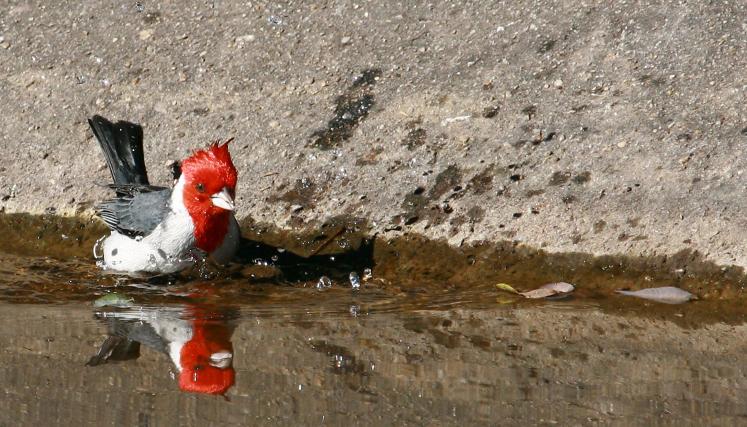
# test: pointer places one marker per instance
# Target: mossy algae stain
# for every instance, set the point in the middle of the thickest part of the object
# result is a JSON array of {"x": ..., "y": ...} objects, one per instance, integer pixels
[{"x": 350, "y": 108}]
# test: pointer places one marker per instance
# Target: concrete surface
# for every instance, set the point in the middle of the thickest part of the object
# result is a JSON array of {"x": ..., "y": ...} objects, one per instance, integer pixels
[{"x": 567, "y": 126}]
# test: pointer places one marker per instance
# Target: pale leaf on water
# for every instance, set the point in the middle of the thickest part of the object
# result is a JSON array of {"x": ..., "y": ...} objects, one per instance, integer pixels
[
  {"x": 506, "y": 287},
  {"x": 666, "y": 294},
  {"x": 539, "y": 293},
  {"x": 558, "y": 289}
]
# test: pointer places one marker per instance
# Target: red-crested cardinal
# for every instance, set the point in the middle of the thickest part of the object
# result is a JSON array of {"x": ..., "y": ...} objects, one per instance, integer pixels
[
  {"x": 196, "y": 338},
  {"x": 157, "y": 229}
]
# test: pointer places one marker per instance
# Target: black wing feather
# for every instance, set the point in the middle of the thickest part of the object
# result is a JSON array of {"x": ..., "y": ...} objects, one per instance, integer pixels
[{"x": 137, "y": 210}]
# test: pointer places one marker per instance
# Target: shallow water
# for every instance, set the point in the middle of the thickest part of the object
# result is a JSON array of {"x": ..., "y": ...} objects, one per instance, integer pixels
[{"x": 422, "y": 341}]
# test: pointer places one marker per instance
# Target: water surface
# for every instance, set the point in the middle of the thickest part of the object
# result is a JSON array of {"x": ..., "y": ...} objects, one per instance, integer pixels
[{"x": 421, "y": 342}]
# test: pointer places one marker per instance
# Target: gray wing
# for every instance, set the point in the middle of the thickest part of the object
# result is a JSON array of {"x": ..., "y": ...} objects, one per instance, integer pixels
[
  {"x": 123, "y": 342},
  {"x": 145, "y": 334},
  {"x": 137, "y": 210}
]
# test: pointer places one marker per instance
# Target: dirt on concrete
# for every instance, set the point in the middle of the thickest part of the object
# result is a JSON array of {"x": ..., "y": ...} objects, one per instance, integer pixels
[{"x": 582, "y": 127}]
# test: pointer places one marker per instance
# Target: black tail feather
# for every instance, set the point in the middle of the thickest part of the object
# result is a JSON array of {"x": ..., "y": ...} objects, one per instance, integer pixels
[{"x": 122, "y": 143}]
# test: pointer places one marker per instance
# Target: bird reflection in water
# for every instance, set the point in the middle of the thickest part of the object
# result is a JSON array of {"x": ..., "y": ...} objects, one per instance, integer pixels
[{"x": 197, "y": 338}]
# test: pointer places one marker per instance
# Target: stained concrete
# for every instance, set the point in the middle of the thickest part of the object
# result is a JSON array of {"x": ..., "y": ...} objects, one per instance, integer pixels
[{"x": 562, "y": 125}]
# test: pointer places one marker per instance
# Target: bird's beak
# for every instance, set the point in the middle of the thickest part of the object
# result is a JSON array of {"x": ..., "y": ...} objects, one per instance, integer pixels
[
  {"x": 223, "y": 200},
  {"x": 221, "y": 359}
]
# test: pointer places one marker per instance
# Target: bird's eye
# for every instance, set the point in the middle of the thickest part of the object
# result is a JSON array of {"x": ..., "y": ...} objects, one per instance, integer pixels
[{"x": 200, "y": 187}]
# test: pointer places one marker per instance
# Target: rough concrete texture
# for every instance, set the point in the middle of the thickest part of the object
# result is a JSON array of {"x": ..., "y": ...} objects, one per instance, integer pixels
[{"x": 567, "y": 126}]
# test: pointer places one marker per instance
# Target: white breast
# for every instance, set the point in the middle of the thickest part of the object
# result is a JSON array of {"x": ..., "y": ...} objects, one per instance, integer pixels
[{"x": 165, "y": 250}]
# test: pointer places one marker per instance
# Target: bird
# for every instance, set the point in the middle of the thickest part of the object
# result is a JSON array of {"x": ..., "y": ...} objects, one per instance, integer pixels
[
  {"x": 195, "y": 336},
  {"x": 162, "y": 230}
]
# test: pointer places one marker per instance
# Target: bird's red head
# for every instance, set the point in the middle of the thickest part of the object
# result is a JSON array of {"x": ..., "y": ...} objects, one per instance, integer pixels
[
  {"x": 207, "y": 359},
  {"x": 209, "y": 190}
]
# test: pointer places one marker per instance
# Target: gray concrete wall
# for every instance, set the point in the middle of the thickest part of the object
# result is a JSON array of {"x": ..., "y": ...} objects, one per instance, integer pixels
[{"x": 567, "y": 126}]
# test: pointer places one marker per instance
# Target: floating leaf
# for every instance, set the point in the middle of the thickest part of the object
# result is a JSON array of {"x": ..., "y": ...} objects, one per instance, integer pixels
[
  {"x": 666, "y": 294},
  {"x": 113, "y": 300},
  {"x": 539, "y": 293},
  {"x": 506, "y": 287},
  {"x": 558, "y": 289}
]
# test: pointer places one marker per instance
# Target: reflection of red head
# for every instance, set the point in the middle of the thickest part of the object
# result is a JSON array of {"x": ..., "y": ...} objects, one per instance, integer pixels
[{"x": 198, "y": 374}]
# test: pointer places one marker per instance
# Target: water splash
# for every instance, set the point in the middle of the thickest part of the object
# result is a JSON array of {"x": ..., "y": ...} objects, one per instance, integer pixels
[
  {"x": 98, "y": 249},
  {"x": 355, "y": 280},
  {"x": 324, "y": 283}
]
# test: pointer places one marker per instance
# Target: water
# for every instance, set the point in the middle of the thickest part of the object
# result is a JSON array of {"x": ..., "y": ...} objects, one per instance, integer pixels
[
  {"x": 355, "y": 280},
  {"x": 420, "y": 342}
]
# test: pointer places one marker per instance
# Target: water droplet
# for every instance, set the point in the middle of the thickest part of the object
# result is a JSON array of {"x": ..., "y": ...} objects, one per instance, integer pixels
[
  {"x": 98, "y": 250},
  {"x": 324, "y": 282},
  {"x": 343, "y": 243},
  {"x": 355, "y": 281},
  {"x": 274, "y": 258}
]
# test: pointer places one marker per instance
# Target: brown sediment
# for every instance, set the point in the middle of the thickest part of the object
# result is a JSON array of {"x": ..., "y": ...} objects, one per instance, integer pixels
[{"x": 48, "y": 259}]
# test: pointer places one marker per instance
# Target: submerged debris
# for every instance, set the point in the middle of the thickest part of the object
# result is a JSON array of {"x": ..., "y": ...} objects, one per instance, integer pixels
[
  {"x": 113, "y": 300},
  {"x": 666, "y": 294}
]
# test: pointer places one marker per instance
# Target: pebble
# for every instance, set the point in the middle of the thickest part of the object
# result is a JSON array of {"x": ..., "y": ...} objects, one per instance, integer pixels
[
  {"x": 145, "y": 34},
  {"x": 247, "y": 38}
]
